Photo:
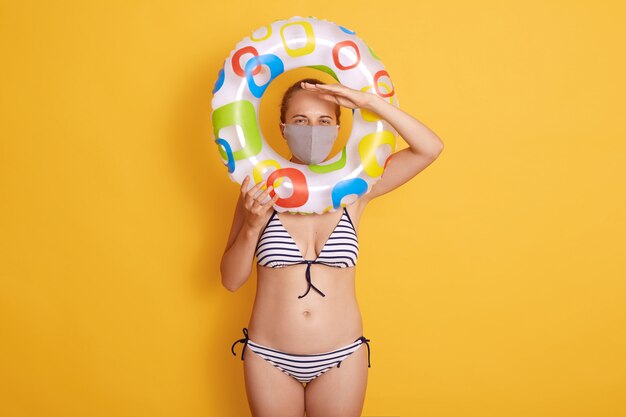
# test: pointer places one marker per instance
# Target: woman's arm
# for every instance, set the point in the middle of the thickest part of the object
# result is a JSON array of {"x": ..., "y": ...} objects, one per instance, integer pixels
[
  {"x": 424, "y": 145},
  {"x": 239, "y": 248},
  {"x": 249, "y": 218}
]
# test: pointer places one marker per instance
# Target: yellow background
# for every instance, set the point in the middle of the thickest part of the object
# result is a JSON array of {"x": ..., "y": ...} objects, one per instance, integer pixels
[{"x": 491, "y": 285}]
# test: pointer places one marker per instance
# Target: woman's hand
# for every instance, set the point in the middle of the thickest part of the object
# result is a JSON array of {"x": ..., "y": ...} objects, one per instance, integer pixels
[
  {"x": 342, "y": 95},
  {"x": 256, "y": 207}
]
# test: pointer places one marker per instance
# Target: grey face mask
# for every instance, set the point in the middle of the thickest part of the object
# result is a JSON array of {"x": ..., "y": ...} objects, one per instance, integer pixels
[{"x": 310, "y": 144}]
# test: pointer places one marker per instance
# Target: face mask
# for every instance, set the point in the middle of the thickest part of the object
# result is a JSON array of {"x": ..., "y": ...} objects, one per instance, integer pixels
[{"x": 310, "y": 144}]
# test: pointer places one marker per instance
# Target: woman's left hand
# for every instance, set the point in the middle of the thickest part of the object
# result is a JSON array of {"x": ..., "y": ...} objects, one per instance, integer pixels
[{"x": 342, "y": 95}]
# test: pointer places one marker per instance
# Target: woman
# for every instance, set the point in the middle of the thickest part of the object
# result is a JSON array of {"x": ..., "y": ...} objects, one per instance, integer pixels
[{"x": 304, "y": 342}]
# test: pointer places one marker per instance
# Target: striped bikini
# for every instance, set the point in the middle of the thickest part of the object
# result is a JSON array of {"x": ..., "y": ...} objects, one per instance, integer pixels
[
  {"x": 276, "y": 248},
  {"x": 302, "y": 367}
]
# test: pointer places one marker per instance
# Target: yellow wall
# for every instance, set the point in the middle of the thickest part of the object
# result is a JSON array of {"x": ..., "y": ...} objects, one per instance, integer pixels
[{"x": 491, "y": 285}]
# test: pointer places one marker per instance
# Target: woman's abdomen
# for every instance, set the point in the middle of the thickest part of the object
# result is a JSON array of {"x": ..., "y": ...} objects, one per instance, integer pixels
[{"x": 312, "y": 324}]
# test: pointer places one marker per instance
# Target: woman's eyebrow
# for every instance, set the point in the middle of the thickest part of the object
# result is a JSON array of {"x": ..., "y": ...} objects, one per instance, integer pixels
[{"x": 304, "y": 115}]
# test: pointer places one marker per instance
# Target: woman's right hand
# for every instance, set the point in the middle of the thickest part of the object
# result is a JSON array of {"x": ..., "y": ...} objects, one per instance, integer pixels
[{"x": 256, "y": 208}]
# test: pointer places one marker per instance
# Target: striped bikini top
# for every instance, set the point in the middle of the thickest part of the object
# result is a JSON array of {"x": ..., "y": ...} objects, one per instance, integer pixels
[{"x": 276, "y": 248}]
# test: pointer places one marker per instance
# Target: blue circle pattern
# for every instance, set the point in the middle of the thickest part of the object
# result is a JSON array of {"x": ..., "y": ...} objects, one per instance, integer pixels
[
  {"x": 220, "y": 80},
  {"x": 275, "y": 65},
  {"x": 348, "y": 31},
  {"x": 343, "y": 188},
  {"x": 229, "y": 153}
]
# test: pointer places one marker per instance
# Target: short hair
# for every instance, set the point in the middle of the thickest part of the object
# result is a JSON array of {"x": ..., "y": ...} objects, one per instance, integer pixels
[{"x": 295, "y": 87}]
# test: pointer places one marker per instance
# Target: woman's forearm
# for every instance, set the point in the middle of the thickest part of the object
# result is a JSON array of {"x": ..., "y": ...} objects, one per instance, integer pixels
[
  {"x": 236, "y": 264},
  {"x": 419, "y": 137}
]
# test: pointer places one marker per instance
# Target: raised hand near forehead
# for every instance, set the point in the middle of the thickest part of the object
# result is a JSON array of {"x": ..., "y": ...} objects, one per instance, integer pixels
[{"x": 340, "y": 94}]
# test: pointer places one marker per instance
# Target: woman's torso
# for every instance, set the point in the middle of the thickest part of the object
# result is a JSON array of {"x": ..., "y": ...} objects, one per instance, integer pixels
[{"x": 314, "y": 323}]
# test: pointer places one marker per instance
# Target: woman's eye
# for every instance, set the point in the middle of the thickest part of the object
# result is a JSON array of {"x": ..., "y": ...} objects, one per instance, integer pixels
[{"x": 300, "y": 121}]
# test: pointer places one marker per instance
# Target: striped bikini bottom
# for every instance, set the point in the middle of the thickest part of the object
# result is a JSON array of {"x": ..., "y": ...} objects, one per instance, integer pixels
[{"x": 302, "y": 367}]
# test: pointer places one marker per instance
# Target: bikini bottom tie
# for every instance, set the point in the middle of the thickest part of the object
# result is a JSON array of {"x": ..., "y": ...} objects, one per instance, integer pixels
[{"x": 244, "y": 341}]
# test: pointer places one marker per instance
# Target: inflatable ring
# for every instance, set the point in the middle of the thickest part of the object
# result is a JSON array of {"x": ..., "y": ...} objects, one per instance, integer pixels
[{"x": 252, "y": 65}]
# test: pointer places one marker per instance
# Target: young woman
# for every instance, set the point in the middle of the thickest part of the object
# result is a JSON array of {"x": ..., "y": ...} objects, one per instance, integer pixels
[{"x": 304, "y": 343}]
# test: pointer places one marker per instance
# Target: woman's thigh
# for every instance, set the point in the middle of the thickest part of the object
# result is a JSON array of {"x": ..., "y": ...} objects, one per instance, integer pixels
[
  {"x": 339, "y": 392},
  {"x": 271, "y": 392}
]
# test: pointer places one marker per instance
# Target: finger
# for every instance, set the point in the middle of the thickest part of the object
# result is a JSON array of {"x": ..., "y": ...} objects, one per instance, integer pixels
[
  {"x": 265, "y": 193},
  {"x": 257, "y": 186},
  {"x": 272, "y": 200},
  {"x": 251, "y": 194},
  {"x": 252, "y": 189},
  {"x": 329, "y": 97},
  {"x": 338, "y": 94},
  {"x": 331, "y": 87},
  {"x": 262, "y": 199},
  {"x": 244, "y": 183},
  {"x": 261, "y": 194},
  {"x": 308, "y": 85}
]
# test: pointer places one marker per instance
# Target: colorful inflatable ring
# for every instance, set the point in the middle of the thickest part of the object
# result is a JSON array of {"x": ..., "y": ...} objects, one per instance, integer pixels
[{"x": 252, "y": 65}]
